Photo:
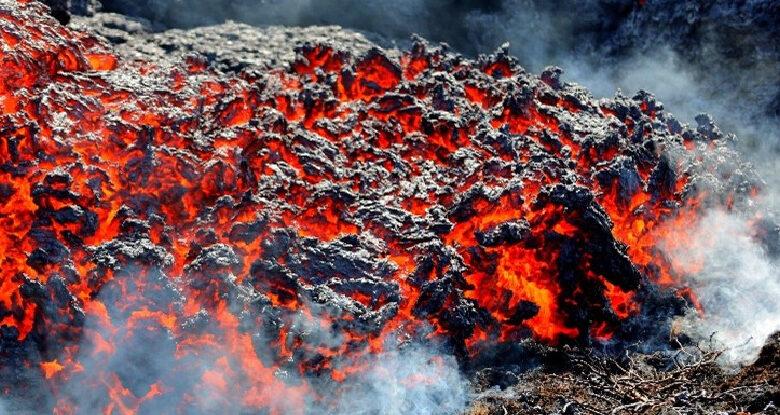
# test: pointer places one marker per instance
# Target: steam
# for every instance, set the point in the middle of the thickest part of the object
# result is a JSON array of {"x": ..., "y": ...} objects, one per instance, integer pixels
[
  {"x": 412, "y": 380},
  {"x": 407, "y": 377},
  {"x": 738, "y": 287}
]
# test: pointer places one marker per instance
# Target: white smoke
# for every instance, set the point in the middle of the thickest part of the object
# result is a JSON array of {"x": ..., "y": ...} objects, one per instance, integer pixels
[
  {"x": 407, "y": 377},
  {"x": 413, "y": 380},
  {"x": 410, "y": 377},
  {"x": 738, "y": 287}
]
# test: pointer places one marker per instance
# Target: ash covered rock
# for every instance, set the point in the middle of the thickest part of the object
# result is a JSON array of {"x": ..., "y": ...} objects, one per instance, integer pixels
[
  {"x": 229, "y": 46},
  {"x": 722, "y": 42}
]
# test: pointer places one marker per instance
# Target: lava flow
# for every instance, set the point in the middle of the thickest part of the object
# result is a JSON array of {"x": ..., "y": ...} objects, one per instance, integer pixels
[{"x": 179, "y": 238}]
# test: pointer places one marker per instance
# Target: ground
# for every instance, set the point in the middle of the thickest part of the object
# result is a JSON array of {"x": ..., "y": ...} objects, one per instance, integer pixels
[{"x": 687, "y": 381}]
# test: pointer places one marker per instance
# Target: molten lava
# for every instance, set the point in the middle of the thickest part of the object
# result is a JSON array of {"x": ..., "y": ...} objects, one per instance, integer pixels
[{"x": 285, "y": 226}]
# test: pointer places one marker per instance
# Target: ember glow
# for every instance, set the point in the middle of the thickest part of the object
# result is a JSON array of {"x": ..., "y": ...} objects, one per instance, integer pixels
[{"x": 289, "y": 226}]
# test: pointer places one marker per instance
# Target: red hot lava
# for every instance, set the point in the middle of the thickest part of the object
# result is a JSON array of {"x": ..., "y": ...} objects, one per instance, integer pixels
[{"x": 286, "y": 226}]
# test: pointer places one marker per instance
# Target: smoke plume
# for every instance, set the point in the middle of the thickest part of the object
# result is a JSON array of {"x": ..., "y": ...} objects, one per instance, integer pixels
[
  {"x": 406, "y": 378},
  {"x": 738, "y": 287}
]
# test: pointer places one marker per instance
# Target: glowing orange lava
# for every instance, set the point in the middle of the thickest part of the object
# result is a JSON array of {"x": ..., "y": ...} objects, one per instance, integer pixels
[{"x": 260, "y": 231}]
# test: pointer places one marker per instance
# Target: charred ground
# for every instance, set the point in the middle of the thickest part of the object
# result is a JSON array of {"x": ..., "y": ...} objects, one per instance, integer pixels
[{"x": 687, "y": 381}]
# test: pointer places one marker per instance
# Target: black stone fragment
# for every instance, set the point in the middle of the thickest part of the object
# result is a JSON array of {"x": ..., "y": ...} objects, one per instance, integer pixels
[
  {"x": 522, "y": 311},
  {"x": 509, "y": 232}
]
